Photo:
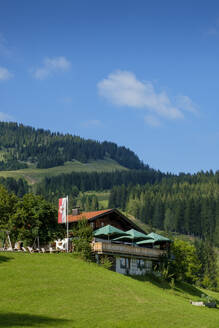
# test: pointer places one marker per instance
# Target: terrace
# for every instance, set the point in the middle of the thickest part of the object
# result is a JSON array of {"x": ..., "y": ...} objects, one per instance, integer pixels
[{"x": 123, "y": 249}]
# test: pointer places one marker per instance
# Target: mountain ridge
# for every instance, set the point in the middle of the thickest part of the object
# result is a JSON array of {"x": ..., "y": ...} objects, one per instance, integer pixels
[{"x": 20, "y": 145}]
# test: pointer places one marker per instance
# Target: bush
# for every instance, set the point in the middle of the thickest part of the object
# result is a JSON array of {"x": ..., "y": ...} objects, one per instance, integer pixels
[
  {"x": 185, "y": 264},
  {"x": 83, "y": 236},
  {"x": 106, "y": 262}
]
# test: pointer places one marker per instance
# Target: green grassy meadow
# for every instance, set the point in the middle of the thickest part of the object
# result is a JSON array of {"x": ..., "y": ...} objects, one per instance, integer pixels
[
  {"x": 34, "y": 175},
  {"x": 59, "y": 290}
]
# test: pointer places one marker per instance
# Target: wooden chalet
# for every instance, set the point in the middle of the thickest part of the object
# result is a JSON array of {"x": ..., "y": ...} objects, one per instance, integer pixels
[
  {"x": 126, "y": 257},
  {"x": 99, "y": 219}
]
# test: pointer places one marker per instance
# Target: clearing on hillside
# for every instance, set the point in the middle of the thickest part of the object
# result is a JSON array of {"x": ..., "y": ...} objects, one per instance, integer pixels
[{"x": 34, "y": 175}]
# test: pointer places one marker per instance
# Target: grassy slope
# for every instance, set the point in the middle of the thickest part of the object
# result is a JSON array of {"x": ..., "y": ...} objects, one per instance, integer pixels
[
  {"x": 57, "y": 290},
  {"x": 33, "y": 175}
]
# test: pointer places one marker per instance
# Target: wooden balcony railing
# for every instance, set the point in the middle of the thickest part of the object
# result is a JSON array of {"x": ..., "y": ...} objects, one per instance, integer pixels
[{"x": 110, "y": 248}]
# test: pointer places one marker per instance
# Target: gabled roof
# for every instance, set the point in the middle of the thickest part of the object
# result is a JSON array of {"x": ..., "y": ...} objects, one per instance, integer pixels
[
  {"x": 87, "y": 215},
  {"x": 92, "y": 216}
]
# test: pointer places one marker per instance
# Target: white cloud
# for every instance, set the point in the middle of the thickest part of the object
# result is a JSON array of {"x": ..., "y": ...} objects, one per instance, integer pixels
[
  {"x": 5, "y": 74},
  {"x": 92, "y": 123},
  {"x": 185, "y": 103},
  {"x": 5, "y": 117},
  {"x": 122, "y": 88},
  {"x": 152, "y": 120},
  {"x": 50, "y": 66}
]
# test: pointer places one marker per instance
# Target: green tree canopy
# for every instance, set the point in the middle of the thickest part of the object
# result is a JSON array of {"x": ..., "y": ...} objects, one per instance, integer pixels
[
  {"x": 8, "y": 204},
  {"x": 35, "y": 217},
  {"x": 185, "y": 264}
]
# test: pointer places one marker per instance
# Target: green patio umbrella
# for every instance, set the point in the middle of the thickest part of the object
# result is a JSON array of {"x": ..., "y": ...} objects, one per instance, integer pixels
[
  {"x": 136, "y": 234},
  {"x": 132, "y": 235},
  {"x": 157, "y": 237},
  {"x": 123, "y": 238},
  {"x": 144, "y": 242},
  {"x": 108, "y": 231}
]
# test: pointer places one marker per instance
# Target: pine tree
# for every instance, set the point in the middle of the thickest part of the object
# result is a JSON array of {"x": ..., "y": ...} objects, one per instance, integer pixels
[
  {"x": 158, "y": 215},
  {"x": 169, "y": 221},
  {"x": 208, "y": 259}
]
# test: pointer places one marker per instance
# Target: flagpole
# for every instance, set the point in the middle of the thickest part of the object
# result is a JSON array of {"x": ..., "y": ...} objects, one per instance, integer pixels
[{"x": 67, "y": 222}]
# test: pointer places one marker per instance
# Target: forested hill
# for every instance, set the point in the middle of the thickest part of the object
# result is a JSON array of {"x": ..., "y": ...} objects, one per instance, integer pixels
[
  {"x": 188, "y": 204},
  {"x": 20, "y": 144}
]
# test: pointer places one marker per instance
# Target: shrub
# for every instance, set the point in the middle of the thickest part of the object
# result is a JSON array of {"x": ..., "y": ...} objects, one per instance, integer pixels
[
  {"x": 106, "y": 262},
  {"x": 82, "y": 240},
  {"x": 185, "y": 264}
]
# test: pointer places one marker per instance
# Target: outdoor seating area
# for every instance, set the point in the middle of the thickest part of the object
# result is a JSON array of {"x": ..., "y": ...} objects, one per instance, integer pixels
[
  {"x": 131, "y": 237},
  {"x": 30, "y": 250},
  {"x": 6, "y": 245},
  {"x": 131, "y": 251}
]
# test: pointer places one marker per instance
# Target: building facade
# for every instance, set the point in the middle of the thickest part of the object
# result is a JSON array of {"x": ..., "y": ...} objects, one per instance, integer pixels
[{"x": 126, "y": 258}]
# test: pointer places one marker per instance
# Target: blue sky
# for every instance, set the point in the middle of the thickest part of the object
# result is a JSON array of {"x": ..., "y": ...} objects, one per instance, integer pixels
[{"x": 144, "y": 74}]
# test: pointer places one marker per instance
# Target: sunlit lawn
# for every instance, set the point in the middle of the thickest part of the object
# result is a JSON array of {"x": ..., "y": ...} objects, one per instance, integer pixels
[{"x": 58, "y": 290}]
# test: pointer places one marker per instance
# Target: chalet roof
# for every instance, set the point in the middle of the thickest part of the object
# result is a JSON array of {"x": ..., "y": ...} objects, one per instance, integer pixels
[
  {"x": 91, "y": 216},
  {"x": 87, "y": 215}
]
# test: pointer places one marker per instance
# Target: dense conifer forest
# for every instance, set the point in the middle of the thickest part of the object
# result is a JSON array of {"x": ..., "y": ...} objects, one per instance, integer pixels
[
  {"x": 66, "y": 183},
  {"x": 19, "y": 143},
  {"x": 18, "y": 187},
  {"x": 187, "y": 204}
]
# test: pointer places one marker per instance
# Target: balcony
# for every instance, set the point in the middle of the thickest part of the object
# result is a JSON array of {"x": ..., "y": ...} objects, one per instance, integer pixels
[{"x": 122, "y": 249}]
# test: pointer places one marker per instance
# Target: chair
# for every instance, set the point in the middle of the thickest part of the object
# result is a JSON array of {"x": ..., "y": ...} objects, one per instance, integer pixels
[{"x": 30, "y": 249}]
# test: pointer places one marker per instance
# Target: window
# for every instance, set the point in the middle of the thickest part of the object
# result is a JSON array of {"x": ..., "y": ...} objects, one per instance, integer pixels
[
  {"x": 124, "y": 263},
  {"x": 140, "y": 264},
  {"x": 127, "y": 263}
]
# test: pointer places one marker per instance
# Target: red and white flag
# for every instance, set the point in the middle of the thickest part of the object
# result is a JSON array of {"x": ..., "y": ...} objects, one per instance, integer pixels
[{"x": 62, "y": 210}]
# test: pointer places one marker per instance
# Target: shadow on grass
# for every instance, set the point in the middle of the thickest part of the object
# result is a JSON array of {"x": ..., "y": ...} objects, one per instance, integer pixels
[
  {"x": 154, "y": 280},
  {"x": 4, "y": 258},
  {"x": 184, "y": 287},
  {"x": 11, "y": 319},
  {"x": 180, "y": 287}
]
